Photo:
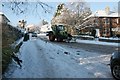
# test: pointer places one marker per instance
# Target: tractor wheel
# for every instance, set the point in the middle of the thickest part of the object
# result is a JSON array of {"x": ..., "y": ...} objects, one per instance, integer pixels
[
  {"x": 59, "y": 39},
  {"x": 51, "y": 37}
]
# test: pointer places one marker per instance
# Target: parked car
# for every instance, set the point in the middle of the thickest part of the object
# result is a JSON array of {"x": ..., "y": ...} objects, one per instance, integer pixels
[
  {"x": 34, "y": 34},
  {"x": 115, "y": 65}
]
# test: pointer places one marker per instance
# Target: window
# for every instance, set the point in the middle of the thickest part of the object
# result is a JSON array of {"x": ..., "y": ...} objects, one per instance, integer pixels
[
  {"x": 106, "y": 21},
  {"x": 61, "y": 27},
  {"x": 96, "y": 21}
]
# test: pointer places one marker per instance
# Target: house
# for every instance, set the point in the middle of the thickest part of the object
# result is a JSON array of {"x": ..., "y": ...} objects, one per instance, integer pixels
[
  {"x": 3, "y": 19},
  {"x": 30, "y": 28},
  {"x": 45, "y": 28},
  {"x": 105, "y": 22}
]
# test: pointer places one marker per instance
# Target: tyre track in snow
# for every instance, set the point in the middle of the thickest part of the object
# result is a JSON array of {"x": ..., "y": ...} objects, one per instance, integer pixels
[
  {"x": 47, "y": 70},
  {"x": 35, "y": 63},
  {"x": 101, "y": 49},
  {"x": 91, "y": 62},
  {"x": 68, "y": 66},
  {"x": 88, "y": 67}
]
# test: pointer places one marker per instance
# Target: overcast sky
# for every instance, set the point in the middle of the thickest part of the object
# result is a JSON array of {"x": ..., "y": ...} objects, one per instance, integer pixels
[{"x": 31, "y": 18}]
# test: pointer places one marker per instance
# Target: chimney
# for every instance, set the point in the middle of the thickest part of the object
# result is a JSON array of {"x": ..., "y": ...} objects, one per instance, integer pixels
[{"x": 107, "y": 10}]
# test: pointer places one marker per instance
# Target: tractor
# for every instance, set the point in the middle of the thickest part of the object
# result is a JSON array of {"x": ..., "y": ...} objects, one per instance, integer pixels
[{"x": 59, "y": 33}]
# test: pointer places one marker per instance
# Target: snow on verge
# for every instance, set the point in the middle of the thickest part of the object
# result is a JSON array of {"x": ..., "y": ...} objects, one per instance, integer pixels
[{"x": 97, "y": 42}]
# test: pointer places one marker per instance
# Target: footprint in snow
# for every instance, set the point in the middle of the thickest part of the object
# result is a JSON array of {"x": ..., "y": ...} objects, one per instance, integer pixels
[
  {"x": 52, "y": 58},
  {"x": 78, "y": 53},
  {"x": 67, "y": 53}
]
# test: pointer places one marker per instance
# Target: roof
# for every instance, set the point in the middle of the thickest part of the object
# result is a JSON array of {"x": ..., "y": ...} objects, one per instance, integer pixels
[
  {"x": 30, "y": 25},
  {"x": 102, "y": 13},
  {"x": 1, "y": 13},
  {"x": 46, "y": 28}
]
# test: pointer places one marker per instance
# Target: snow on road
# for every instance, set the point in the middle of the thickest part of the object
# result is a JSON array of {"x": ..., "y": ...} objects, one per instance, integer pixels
[
  {"x": 42, "y": 59},
  {"x": 97, "y": 42}
]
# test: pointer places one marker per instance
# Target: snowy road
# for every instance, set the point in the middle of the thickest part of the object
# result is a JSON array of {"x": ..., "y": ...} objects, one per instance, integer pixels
[{"x": 42, "y": 59}]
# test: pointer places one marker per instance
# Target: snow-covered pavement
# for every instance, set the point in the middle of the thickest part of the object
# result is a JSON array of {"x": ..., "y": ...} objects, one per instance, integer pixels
[
  {"x": 97, "y": 42},
  {"x": 42, "y": 59}
]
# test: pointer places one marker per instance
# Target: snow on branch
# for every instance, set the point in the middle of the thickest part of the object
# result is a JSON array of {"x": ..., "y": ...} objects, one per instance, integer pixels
[{"x": 22, "y": 7}]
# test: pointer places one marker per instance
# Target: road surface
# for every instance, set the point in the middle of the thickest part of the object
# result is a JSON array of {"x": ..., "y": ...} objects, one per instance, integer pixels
[{"x": 44, "y": 59}]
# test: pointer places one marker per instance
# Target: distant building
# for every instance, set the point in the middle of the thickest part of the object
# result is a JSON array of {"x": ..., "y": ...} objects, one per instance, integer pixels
[
  {"x": 30, "y": 28},
  {"x": 3, "y": 19},
  {"x": 106, "y": 23},
  {"x": 45, "y": 28}
]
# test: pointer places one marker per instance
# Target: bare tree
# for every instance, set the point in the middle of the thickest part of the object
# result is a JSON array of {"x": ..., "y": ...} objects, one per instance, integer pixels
[
  {"x": 81, "y": 10},
  {"x": 22, "y": 7}
]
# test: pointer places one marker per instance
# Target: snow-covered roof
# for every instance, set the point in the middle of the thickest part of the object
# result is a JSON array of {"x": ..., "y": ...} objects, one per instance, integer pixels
[
  {"x": 46, "y": 28},
  {"x": 5, "y": 18},
  {"x": 30, "y": 25},
  {"x": 1, "y": 13},
  {"x": 103, "y": 13}
]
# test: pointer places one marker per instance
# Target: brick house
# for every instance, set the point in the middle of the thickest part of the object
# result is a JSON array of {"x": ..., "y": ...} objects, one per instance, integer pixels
[{"x": 105, "y": 22}]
